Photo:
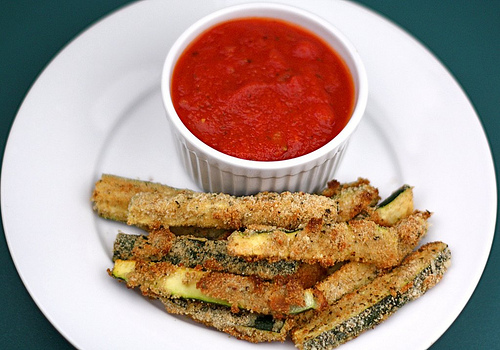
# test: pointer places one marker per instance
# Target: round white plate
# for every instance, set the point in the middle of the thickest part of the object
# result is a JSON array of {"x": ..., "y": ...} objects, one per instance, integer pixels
[{"x": 97, "y": 108}]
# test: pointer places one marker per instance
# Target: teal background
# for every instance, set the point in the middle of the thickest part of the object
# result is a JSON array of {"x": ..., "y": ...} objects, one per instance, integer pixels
[{"x": 463, "y": 34}]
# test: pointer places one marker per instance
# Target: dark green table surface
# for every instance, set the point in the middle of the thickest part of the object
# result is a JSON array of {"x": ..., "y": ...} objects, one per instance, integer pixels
[{"x": 463, "y": 34}]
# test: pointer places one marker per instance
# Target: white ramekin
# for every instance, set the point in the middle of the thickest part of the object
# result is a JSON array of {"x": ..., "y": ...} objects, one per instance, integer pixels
[{"x": 215, "y": 171}]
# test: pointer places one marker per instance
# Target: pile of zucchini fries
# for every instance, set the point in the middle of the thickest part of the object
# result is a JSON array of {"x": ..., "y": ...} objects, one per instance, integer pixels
[{"x": 318, "y": 268}]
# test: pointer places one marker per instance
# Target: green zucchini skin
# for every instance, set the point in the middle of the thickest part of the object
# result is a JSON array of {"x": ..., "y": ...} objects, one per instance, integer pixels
[
  {"x": 370, "y": 305},
  {"x": 191, "y": 252}
]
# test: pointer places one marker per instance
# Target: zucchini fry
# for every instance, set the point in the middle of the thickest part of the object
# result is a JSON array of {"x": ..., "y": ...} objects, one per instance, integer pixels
[
  {"x": 373, "y": 303},
  {"x": 256, "y": 328},
  {"x": 161, "y": 245},
  {"x": 163, "y": 279},
  {"x": 112, "y": 194},
  {"x": 357, "y": 240},
  {"x": 287, "y": 210},
  {"x": 243, "y": 325}
]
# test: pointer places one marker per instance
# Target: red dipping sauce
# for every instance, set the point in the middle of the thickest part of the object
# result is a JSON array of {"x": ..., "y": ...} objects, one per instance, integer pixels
[{"x": 262, "y": 89}]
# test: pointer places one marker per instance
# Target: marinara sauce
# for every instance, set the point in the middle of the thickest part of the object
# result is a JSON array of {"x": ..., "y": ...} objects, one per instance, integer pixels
[{"x": 262, "y": 89}]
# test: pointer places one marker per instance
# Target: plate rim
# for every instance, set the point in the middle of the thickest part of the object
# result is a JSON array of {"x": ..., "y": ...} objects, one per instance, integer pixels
[{"x": 127, "y": 7}]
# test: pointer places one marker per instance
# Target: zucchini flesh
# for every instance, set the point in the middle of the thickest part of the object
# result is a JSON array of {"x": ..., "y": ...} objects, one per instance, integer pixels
[
  {"x": 357, "y": 240},
  {"x": 182, "y": 283},
  {"x": 123, "y": 269},
  {"x": 165, "y": 280},
  {"x": 177, "y": 282},
  {"x": 189, "y": 251},
  {"x": 371, "y": 304}
]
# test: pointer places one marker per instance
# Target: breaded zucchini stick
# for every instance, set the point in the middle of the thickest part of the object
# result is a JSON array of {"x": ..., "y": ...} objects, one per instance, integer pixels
[
  {"x": 161, "y": 245},
  {"x": 327, "y": 244},
  {"x": 368, "y": 306},
  {"x": 245, "y": 325},
  {"x": 217, "y": 210},
  {"x": 112, "y": 194},
  {"x": 263, "y": 328},
  {"x": 165, "y": 280}
]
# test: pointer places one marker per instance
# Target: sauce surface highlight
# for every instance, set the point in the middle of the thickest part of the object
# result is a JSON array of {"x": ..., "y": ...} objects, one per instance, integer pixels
[{"x": 262, "y": 89}]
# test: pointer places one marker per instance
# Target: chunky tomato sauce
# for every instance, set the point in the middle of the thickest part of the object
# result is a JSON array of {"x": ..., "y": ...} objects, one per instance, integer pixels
[{"x": 262, "y": 89}]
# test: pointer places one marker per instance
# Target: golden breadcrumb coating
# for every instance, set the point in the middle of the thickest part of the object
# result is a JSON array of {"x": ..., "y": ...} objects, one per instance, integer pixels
[
  {"x": 328, "y": 244},
  {"x": 287, "y": 210}
]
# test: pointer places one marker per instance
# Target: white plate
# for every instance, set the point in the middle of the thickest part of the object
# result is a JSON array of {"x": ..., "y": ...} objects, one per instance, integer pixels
[{"x": 97, "y": 108}]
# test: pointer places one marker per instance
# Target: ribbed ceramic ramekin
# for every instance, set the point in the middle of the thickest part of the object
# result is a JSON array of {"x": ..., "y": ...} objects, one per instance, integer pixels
[{"x": 215, "y": 171}]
